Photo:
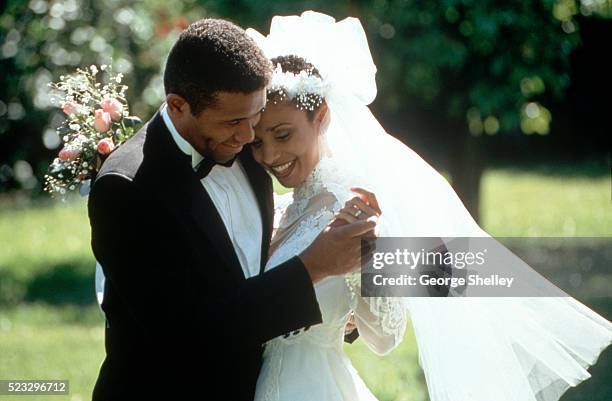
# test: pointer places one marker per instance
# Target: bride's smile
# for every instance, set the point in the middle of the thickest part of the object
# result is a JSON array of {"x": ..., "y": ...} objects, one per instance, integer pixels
[{"x": 282, "y": 170}]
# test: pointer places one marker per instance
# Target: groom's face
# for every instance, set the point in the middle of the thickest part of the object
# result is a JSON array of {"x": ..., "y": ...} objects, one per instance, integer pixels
[{"x": 221, "y": 130}]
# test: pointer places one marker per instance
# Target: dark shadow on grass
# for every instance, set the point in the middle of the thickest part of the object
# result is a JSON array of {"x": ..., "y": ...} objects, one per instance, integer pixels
[
  {"x": 571, "y": 169},
  {"x": 66, "y": 283},
  {"x": 70, "y": 282},
  {"x": 17, "y": 200}
]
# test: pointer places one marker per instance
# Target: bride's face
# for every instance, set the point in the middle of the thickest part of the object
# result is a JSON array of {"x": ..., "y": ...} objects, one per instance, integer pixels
[{"x": 287, "y": 142}]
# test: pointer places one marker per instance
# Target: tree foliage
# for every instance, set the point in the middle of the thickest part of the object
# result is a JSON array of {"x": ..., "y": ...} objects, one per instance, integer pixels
[
  {"x": 41, "y": 40},
  {"x": 485, "y": 64}
]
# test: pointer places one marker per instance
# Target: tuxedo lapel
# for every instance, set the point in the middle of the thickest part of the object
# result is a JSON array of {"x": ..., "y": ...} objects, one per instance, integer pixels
[
  {"x": 262, "y": 187},
  {"x": 177, "y": 184},
  {"x": 206, "y": 216}
]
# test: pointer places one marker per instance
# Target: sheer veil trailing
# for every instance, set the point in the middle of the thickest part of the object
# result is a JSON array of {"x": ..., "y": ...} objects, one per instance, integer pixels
[{"x": 470, "y": 349}]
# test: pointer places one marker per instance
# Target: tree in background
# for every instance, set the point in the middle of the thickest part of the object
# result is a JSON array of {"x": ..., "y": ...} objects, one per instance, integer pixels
[
  {"x": 487, "y": 67},
  {"x": 41, "y": 40},
  {"x": 480, "y": 68}
]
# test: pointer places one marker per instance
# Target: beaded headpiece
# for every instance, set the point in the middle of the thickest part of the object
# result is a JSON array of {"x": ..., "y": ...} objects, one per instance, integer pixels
[{"x": 307, "y": 89}]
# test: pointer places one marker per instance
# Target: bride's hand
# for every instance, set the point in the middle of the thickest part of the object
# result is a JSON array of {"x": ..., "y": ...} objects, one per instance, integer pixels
[
  {"x": 369, "y": 198},
  {"x": 358, "y": 208}
]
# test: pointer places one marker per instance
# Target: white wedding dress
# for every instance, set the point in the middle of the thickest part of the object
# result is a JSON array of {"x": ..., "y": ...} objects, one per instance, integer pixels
[
  {"x": 310, "y": 364},
  {"x": 470, "y": 348}
]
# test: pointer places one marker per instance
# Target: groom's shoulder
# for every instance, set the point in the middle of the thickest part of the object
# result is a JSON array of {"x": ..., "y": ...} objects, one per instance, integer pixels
[{"x": 127, "y": 160}]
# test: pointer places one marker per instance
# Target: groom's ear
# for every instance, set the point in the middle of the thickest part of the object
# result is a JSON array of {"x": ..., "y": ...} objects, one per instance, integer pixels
[{"x": 177, "y": 105}]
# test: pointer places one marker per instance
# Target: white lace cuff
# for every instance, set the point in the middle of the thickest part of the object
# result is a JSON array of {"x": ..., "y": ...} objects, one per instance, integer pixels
[{"x": 381, "y": 320}]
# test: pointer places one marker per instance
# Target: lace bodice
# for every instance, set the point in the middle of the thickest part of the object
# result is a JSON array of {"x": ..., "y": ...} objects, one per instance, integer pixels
[{"x": 299, "y": 218}]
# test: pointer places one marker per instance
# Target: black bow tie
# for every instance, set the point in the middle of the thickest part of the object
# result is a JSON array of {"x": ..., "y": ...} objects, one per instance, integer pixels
[{"x": 207, "y": 164}]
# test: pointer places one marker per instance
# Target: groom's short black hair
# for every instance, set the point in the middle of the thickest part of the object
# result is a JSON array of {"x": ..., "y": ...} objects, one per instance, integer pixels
[{"x": 211, "y": 56}]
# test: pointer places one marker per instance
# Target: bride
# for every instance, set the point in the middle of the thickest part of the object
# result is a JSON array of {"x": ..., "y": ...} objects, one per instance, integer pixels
[{"x": 318, "y": 137}]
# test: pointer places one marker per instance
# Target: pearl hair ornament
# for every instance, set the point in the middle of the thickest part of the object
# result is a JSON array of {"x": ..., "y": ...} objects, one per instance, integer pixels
[{"x": 307, "y": 89}]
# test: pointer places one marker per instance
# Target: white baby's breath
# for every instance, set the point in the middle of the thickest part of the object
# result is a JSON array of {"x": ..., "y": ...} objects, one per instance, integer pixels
[{"x": 80, "y": 134}]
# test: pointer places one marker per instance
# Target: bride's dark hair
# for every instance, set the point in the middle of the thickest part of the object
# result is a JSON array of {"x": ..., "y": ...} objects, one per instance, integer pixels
[{"x": 295, "y": 65}]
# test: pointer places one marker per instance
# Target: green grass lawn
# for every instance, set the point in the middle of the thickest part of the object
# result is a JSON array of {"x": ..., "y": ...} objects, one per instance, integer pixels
[
  {"x": 525, "y": 204},
  {"x": 50, "y": 327},
  {"x": 52, "y": 343},
  {"x": 393, "y": 377}
]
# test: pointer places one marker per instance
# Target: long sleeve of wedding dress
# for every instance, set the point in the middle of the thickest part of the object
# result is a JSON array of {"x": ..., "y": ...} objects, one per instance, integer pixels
[
  {"x": 310, "y": 364},
  {"x": 381, "y": 321}
]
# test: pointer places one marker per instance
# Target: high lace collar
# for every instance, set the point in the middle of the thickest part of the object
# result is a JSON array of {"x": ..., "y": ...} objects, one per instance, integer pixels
[
  {"x": 314, "y": 182},
  {"x": 326, "y": 176}
]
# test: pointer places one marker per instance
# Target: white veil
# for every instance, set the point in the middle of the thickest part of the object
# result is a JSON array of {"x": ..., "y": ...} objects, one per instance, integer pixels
[
  {"x": 470, "y": 349},
  {"x": 339, "y": 50}
]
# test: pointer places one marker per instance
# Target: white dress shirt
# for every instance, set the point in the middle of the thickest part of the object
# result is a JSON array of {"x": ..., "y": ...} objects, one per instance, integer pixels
[
  {"x": 231, "y": 192},
  {"x": 232, "y": 195}
]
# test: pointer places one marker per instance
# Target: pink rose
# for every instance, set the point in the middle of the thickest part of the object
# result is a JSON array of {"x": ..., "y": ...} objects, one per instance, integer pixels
[
  {"x": 102, "y": 121},
  {"x": 68, "y": 153},
  {"x": 69, "y": 108},
  {"x": 113, "y": 107},
  {"x": 105, "y": 146}
]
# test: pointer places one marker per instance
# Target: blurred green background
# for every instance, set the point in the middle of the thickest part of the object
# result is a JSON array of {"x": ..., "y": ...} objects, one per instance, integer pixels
[{"x": 509, "y": 99}]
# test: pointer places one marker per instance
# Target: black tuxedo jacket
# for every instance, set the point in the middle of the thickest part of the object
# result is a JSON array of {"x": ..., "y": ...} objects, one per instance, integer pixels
[{"x": 183, "y": 323}]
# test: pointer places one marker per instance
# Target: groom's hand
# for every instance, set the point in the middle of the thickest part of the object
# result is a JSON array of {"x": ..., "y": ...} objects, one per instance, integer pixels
[{"x": 337, "y": 250}]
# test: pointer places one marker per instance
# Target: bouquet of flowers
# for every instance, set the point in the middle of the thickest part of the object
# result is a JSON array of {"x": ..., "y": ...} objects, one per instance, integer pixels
[{"x": 98, "y": 121}]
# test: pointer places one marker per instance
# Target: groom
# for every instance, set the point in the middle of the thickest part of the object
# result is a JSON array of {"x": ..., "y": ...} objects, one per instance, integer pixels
[{"x": 181, "y": 220}]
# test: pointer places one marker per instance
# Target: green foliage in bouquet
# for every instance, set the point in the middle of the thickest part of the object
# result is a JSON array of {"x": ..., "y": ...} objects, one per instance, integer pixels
[{"x": 98, "y": 120}]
